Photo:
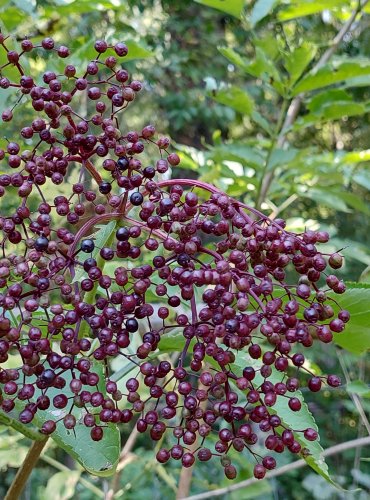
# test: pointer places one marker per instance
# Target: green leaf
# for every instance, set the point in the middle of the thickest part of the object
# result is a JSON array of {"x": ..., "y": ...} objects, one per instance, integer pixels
[
  {"x": 335, "y": 72},
  {"x": 302, "y": 420},
  {"x": 358, "y": 387},
  {"x": 326, "y": 198},
  {"x": 238, "y": 152},
  {"x": 61, "y": 486},
  {"x": 12, "y": 453},
  {"x": 235, "y": 98},
  {"x": 173, "y": 342},
  {"x": 262, "y": 122},
  {"x": 261, "y": 9},
  {"x": 234, "y": 57},
  {"x": 232, "y": 7},
  {"x": 307, "y": 8},
  {"x": 363, "y": 178},
  {"x": 282, "y": 157},
  {"x": 293, "y": 420},
  {"x": 26, "y": 6},
  {"x": 261, "y": 67},
  {"x": 297, "y": 61},
  {"x": 356, "y": 336},
  {"x": 355, "y": 202},
  {"x": 99, "y": 458},
  {"x": 327, "y": 97},
  {"x": 330, "y": 112},
  {"x": 11, "y": 420},
  {"x": 137, "y": 51}
]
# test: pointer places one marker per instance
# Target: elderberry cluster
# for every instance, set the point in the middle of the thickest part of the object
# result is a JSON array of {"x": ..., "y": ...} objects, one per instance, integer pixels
[{"x": 243, "y": 296}]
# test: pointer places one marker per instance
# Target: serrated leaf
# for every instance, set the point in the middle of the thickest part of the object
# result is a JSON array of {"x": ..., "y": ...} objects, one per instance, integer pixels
[
  {"x": 297, "y": 61},
  {"x": 302, "y": 420},
  {"x": 355, "y": 284},
  {"x": 263, "y": 67},
  {"x": 335, "y": 72},
  {"x": 358, "y": 387},
  {"x": 99, "y": 458},
  {"x": 356, "y": 336},
  {"x": 322, "y": 99},
  {"x": 330, "y": 112},
  {"x": 235, "y": 98},
  {"x": 232, "y": 7},
  {"x": 293, "y": 420},
  {"x": 261, "y": 9}
]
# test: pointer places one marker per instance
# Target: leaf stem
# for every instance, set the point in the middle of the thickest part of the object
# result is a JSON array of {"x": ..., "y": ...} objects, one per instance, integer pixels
[{"x": 20, "y": 480}]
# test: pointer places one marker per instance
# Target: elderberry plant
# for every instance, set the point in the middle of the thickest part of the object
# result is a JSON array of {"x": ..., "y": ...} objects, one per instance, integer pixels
[{"x": 233, "y": 284}]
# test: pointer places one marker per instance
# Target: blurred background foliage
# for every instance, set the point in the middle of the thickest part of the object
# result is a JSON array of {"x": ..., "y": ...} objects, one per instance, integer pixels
[{"x": 220, "y": 79}]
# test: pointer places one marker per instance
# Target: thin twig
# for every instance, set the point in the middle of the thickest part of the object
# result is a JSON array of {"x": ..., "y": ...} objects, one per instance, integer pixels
[{"x": 333, "y": 450}]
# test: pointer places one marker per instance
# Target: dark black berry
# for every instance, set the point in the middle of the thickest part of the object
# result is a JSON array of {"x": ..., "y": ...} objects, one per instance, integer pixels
[
  {"x": 105, "y": 187},
  {"x": 136, "y": 198},
  {"x": 122, "y": 163},
  {"x": 89, "y": 263},
  {"x": 87, "y": 246},
  {"x": 122, "y": 234},
  {"x": 41, "y": 244},
  {"x": 132, "y": 325}
]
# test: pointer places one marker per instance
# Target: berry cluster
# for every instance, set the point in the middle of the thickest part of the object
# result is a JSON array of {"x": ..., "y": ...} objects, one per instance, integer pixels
[{"x": 223, "y": 273}]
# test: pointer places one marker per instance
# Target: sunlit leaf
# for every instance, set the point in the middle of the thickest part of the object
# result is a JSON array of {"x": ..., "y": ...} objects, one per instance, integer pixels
[
  {"x": 233, "y": 7},
  {"x": 235, "y": 98},
  {"x": 356, "y": 336},
  {"x": 307, "y": 8},
  {"x": 298, "y": 60},
  {"x": 261, "y": 9},
  {"x": 336, "y": 72}
]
